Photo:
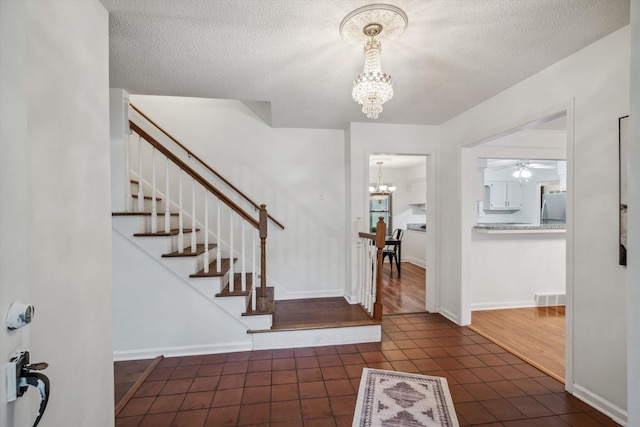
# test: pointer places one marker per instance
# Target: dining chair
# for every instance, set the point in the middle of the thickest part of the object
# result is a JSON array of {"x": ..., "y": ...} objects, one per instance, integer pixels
[{"x": 393, "y": 248}]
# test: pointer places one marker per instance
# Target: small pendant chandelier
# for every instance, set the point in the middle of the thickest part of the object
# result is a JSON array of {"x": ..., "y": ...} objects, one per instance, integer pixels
[
  {"x": 380, "y": 191},
  {"x": 372, "y": 87}
]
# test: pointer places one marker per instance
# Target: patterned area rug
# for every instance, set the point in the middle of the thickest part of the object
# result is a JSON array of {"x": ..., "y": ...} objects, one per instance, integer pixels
[{"x": 399, "y": 399}]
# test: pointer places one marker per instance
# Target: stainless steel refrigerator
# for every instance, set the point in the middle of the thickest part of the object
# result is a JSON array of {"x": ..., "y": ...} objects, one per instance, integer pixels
[{"x": 554, "y": 208}]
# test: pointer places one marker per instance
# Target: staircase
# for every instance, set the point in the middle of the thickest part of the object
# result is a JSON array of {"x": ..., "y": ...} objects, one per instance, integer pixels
[
  {"x": 194, "y": 229},
  {"x": 189, "y": 267}
]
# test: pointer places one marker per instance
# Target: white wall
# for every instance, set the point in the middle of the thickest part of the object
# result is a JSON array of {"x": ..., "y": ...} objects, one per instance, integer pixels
[
  {"x": 158, "y": 313},
  {"x": 507, "y": 270},
  {"x": 596, "y": 81},
  {"x": 298, "y": 173},
  {"x": 57, "y": 248}
]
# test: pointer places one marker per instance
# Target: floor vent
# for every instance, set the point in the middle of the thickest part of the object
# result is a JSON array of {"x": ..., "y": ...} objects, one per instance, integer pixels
[{"x": 545, "y": 300}]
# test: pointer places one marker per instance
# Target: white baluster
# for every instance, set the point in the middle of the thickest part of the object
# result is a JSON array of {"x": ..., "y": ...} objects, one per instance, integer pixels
[
  {"x": 154, "y": 207},
  {"x": 374, "y": 270},
  {"x": 374, "y": 279},
  {"x": 193, "y": 216},
  {"x": 128, "y": 203},
  {"x": 254, "y": 274},
  {"x": 368, "y": 274},
  {"x": 254, "y": 297},
  {"x": 231, "y": 278},
  {"x": 243, "y": 279},
  {"x": 167, "y": 211},
  {"x": 219, "y": 242},
  {"x": 206, "y": 231},
  {"x": 140, "y": 191},
  {"x": 180, "y": 215}
]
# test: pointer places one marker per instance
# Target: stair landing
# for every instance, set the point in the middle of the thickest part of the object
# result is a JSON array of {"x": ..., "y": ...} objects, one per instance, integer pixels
[{"x": 315, "y": 313}]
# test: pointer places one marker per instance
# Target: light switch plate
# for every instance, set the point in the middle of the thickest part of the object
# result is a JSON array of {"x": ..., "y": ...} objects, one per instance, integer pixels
[{"x": 11, "y": 376}]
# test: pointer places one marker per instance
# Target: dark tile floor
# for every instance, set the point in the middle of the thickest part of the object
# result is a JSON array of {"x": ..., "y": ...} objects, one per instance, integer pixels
[{"x": 318, "y": 386}]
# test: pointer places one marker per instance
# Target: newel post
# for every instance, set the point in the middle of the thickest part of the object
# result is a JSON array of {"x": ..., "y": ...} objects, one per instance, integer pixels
[
  {"x": 381, "y": 233},
  {"x": 263, "y": 257}
]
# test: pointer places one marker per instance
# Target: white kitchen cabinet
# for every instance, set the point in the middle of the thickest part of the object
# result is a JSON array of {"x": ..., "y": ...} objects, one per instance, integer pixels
[
  {"x": 502, "y": 195},
  {"x": 417, "y": 193}
]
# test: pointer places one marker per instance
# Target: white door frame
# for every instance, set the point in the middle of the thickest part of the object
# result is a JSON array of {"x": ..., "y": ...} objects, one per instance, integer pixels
[{"x": 468, "y": 220}]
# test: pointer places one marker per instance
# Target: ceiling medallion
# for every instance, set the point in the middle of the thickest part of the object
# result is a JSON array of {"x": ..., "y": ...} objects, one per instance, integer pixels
[{"x": 370, "y": 25}]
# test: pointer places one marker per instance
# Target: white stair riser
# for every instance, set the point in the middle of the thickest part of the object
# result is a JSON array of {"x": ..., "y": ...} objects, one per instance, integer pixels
[{"x": 316, "y": 337}]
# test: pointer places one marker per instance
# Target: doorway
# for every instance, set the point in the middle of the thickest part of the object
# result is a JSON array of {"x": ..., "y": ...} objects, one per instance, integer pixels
[
  {"x": 398, "y": 193},
  {"x": 496, "y": 285}
]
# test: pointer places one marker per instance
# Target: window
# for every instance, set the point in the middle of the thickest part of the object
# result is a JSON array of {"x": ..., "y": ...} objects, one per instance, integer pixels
[{"x": 381, "y": 206}]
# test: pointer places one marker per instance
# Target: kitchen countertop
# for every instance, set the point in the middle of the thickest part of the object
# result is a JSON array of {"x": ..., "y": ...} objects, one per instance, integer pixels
[
  {"x": 417, "y": 227},
  {"x": 520, "y": 228}
]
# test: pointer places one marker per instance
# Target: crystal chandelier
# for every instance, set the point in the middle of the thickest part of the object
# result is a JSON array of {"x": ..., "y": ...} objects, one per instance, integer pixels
[
  {"x": 380, "y": 191},
  {"x": 372, "y": 87}
]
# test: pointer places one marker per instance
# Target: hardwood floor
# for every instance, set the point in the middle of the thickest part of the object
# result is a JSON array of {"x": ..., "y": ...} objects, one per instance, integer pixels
[
  {"x": 405, "y": 294},
  {"x": 536, "y": 335},
  {"x": 317, "y": 313}
]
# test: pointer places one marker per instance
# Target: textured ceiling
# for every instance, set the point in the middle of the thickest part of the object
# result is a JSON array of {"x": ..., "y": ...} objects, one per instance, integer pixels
[{"x": 287, "y": 61}]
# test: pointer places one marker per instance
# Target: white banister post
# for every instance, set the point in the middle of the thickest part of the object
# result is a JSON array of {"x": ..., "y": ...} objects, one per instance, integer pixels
[
  {"x": 206, "y": 231},
  {"x": 154, "y": 207},
  {"x": 218, "y": 242},
  {"x": 167, "y": 210},
  {"x": 193, "y": 216},
  {"x": 140, "y": 191},
  {"x": 231, "y": 278},
  {"x": 243, "y": 279},
  {"x": 180, "y": 215}
]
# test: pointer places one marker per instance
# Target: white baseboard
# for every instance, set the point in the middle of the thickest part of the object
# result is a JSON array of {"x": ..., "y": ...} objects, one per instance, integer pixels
[
  {"x": 150, "y": 353},
  {"x": 449, "y": 315},
  {"x": 316, "y": 337},
  {"x": 616, "y": 413},
  {"x": 415, "y": 261},
  {"x": 329, "y": 293},
  {"x": 501, "y": 305}
]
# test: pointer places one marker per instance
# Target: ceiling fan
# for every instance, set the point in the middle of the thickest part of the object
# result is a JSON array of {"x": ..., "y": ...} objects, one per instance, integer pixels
[{"x": 522, "y": 169}]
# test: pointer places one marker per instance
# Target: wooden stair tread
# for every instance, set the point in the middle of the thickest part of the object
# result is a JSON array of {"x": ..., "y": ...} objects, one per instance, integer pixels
[
  {"x": 311, "y": 326},
  {"x": 314, "y": 313},
  {"x": 187, "y": 251},
  {"x": 224, "y": 267},
  {"x": 172, "y": 232},
  {"x": 141, "y": 214},
  {"x": 237, "y": 282},
  {"x": 135, "y": 196},
  {"x": 266, "y": 306}
]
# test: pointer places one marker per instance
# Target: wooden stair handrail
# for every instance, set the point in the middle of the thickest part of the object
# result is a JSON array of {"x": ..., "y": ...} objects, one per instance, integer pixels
[
  {"x": 209, "y": 168},
  {"x": 202, "y": 181}
]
